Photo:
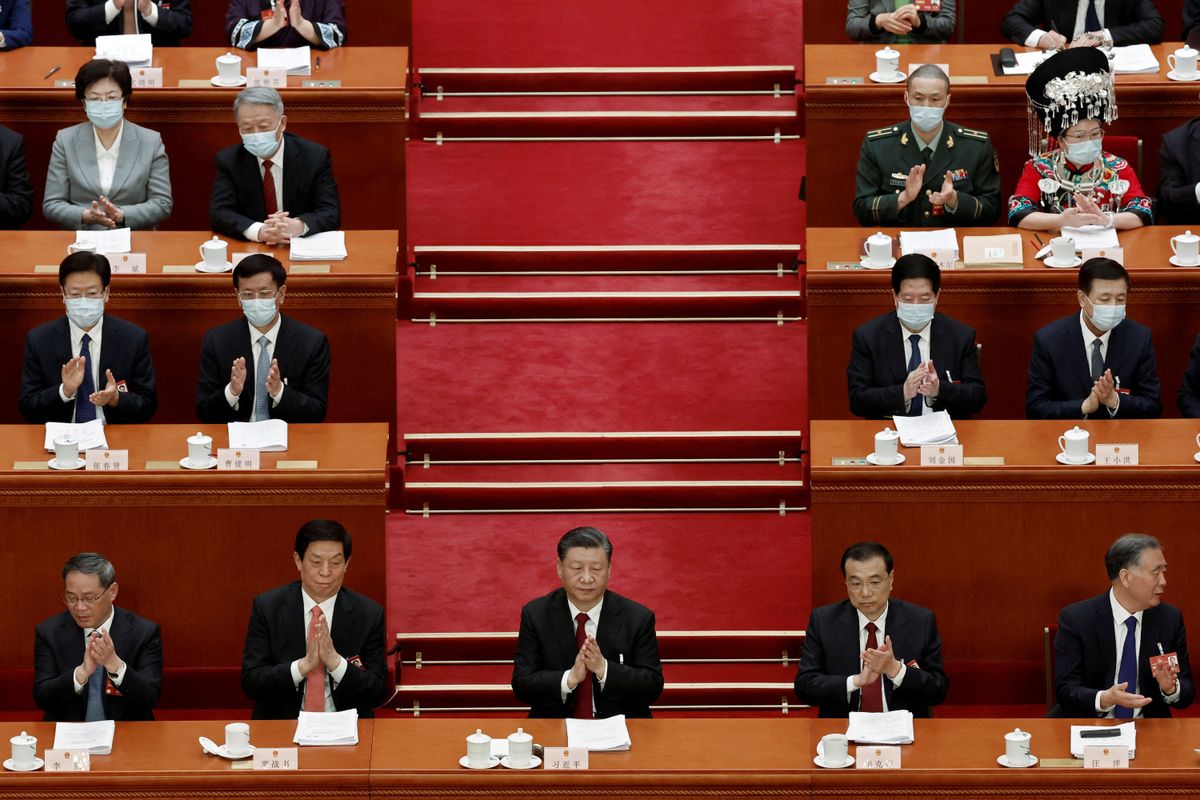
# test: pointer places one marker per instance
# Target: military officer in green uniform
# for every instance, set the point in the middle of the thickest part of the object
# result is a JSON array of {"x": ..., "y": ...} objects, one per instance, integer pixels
[{"x": 927, "y": 171}]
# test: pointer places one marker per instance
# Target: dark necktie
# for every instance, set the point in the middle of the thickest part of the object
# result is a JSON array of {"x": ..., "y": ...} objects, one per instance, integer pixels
[
  {"x": 872, "y": 694},
  {"x": 1097, "y": 360},
  {"x": 1128, "y": 671},
  {"x": 1091, "y": 22},
  {"x": 269, "y": 188},
  {"x": 85, "y": 409},
  {"x": 583, "y": 692},
  {"x": 914, "y": 361}
]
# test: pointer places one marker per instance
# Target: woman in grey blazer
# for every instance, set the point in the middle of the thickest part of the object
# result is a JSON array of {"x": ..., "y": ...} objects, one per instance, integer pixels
[
  {"x": 864, "y": 23},
  {"x": 107, "y": 172}
]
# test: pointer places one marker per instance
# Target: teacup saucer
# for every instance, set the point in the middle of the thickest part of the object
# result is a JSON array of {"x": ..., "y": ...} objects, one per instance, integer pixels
[
  {"x": 37, "y": 764},
  {"x": 1173, "y": 75},
  {"x": 1054, "y": 264},
  {"x": 819, "y": 760},
  {"x": 492, "y": 762},
  {"x": 895, "y": 77},
  {"x": 871, "y": 459},
  {"x": 186, "y": 463},
  {"x": 1196, "y": 456},
  {"x": 1002, "y": 760},
  {"x": 1062, "y": 459},
  {"x": 209, "y": 746},
  {"x": 534, "y": 763},
  {"x": 202, "y": 267},
  {"x": 865, "y": 264},
  {"x": 53, "y": 464},
  {"x": 216, "y": 81},
  {"x": 1175, "y": 260}
]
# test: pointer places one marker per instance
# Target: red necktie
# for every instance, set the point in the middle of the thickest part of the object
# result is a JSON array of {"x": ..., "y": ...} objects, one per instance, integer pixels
[
  {"x": 583, "y": 692},
  {"x": 269, "y": 188},
  {"x": 314, "y": 683},
  {"x": 129, "y": 18},
  {"x": 872, "y": 695}
]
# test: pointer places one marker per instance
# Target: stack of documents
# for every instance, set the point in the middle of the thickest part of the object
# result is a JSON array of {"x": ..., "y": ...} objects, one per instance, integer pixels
[
  {"x": 1027, "y": 61},
  {"x": 1134, "y": 58},
  {"x": 327, "y": 246},
  {"x": 296, "y": 60},
  {"x": 269, "y": 436},
  {"x": 1003, "y": 250},
  {"x": 890, "y": 727},
  {"x": 95, "y": 737},
  {"x": 599, "y": 735},
  {"x": 1121, "y": 735},
  {"x": 927, "y": 241},
  {"x": 112, "y": 241},
  {"x": 1092, "y": 237},
  {"x": 89, "y": 435},
  {"x": 327, "y": 728},
  {"x": 134, "y": 49},
  {"x": 935, "y": 428}
]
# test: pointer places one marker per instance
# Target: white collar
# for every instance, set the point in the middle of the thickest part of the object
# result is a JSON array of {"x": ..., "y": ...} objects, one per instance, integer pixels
[
  {"x": 593, "y": 613},
  {"x": 111, "y": 152},
  {"x": 105, "y": 626},
  {"x": 1119, "y": 612},
  {"x": 272, "y": 335},
  {"x": 880, "y": 623},
  {"x": 1089, "y": 336}
]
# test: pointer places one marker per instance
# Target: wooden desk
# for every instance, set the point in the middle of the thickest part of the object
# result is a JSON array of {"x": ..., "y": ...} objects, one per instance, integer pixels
[
  {"x": 362, "y": 122},
  {"x": 354, "y": 303},
  {"x": 1008, "y": 544},
  {"x": 191, "y": 549},
  {"x": 152, "y": 760},
  {"x": 1006, "y": 308},
  {"x": 838, "y": 116}
]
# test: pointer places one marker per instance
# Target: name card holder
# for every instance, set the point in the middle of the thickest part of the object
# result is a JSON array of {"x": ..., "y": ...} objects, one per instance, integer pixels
[
  {"x": 29, "y": 466},
  {"x": 178, "y": 269},
  {"x": 152, "y": 465},
  {"x": 1117, "y": 254},
  {"x": 877, "y": 756},
  {"x": 295, "y": 465},
  {"x": 945, "y": 259},
  {"x": 570, "y": 758},
  {"x": 45, "y": 269},
  {"x": 273, "y": 77},
  {"x": 128, "y": 264},
  {"x": 311, "y": 269},
  {"x": 241, "y": 459},
  {"x": 276, "y": 758},
  {"x": 195, "y": 83},
  {"x": 64, "y": 83},
  {"x": 941, "y": 455},
  {"x": 1105, "y": 756},
  {"x": 106, "y": 460},
  {"x": 1117, "y": 455},
  {"x": 147, "y": 77},
  {"x": 68, "y": 761}
]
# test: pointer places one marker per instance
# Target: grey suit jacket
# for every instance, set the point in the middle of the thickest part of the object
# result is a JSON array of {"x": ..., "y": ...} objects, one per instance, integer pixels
[
  {"x": 860, "y": 27},
  {"x": 141, "y": 185}
]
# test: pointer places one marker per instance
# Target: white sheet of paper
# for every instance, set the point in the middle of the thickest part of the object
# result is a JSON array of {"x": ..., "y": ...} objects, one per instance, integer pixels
[
  {"x": 1092, "y": 237},
  {"x": 890, "y": 727},
  {"x": 327, "y": 728},
  {"x": 925, "y": 241},
  {"x": 269, "y": 436},
  {"x": 935, "y": 428},
  {"x": 112, "y": 241},
  {"x": 134, "y": 49},
  {"x": 1128, "y": 738},
  {"x": 296, "y": 60},
  {"x": 1134, "y": 58},
  {"x": 95, "y": 737},
  {"x": 608, "y": 734},
  {"x": 1027, "y": 61},
  {"x": 90, "y": 435},
  {"x": 327, "y": 246}
]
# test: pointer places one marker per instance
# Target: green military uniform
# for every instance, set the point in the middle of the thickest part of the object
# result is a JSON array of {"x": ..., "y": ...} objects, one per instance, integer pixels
[{"x": 889, "y": 153}]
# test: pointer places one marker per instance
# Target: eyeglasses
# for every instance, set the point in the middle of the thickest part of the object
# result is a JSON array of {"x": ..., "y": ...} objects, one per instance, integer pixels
[
  {"x": 265, "y": 294},
  {"x": 855, "y": 585},
  {"x": 108, "y": 97},
  {"x": 87, "y": 599},
  {"x": 1084, "y": 136},
  {"x": 91, "y": 294}
]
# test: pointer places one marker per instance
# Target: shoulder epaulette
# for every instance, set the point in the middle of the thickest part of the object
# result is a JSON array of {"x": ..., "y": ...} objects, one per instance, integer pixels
[
  {"x": 971, "y": 133},
  {"x": 879, "y": 133}
]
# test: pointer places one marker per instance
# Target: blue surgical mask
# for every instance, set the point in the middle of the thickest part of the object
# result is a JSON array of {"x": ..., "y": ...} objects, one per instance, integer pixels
[
  {"x": 927, "y": 118},
  {"x": 1106, "y": 317},
  {"x": 915, "y": 316},
  {"x": 104, "y": 113},
  {"x": 85, "y": 311},
  {"x": 1082, "y": 154},
  {"x": 259, "y": 312},
  {"x": 261, "y": 144}
]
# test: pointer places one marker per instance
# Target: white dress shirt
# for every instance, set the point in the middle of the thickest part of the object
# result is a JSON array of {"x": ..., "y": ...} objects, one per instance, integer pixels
[
  {"x": 106, "y": 160},
  {"x": 589, "y": 627},
  {"x": 1119, "y": 616},
  {"x": 93, "y": 353},
  {"x": 1088, "y": 339},
  {"x": 880, "y": 633},
  {"x": 252, "y": 369},
  {"x": 1080, "y": 25},
  {"x": 337, "y": 673},
  {"x": 111, "y": 12},
  {"x": 118, "y": 676},
  {"x": 923, "y": 349}
]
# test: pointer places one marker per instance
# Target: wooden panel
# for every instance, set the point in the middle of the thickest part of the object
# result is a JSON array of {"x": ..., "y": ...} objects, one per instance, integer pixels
[{"x": 1006, "y": 307}]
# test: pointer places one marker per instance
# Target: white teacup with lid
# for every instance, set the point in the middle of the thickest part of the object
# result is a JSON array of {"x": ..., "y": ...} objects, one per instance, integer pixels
[
  {"x": 520, "y": 749},
  {"x": 1074, "y": 445},
  {"x": 1183, "y": 63},
  {"x": 878, "y": 249},
  {"x": 1017, "y": 748},
  {"x": 213, "y": 253},
  {"x": 887, "y": 62},
  {"x": 1186, "y": 247},
  {"x": 229, "y": 68},
  {"x": 479, "y": 750},
  {"x": 24, "y": 751},
  {"x": 66, "y": 452},
  {"x": 199, "y": 450},
  {"x": 887, "y": 446}
]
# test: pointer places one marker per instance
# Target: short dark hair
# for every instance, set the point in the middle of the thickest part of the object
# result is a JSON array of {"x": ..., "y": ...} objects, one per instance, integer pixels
[
  {"x": 928, "y": 71},
  {"x": 584, "y": 537},
  {"x": 1101, "y": 269},
  {"x": 257, "y": 263},
  {"x": 91, "y": 564},
  {"x": 85, "y": 262},
  {"x": 100, "y": 68},
  {"x": 1127, "y": 552},
  {"x": 322, "y": 530},
  {"x": 915, "y": 266},
  {"x": 865, "y": 551}
]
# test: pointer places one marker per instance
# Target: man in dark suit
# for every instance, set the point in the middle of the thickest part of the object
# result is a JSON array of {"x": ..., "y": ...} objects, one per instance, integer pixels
[
  {"x": 1102, "y": 652},
  {"x": 340, "y": 663},
  {"x": 16, "y": 192},
  {"x": 912, "y": 360},
  {"x": 274, "y": 185},
  {"x": 584, "y": 651},
  {"x": 167, "y": 21},
  {"x": 1179, "y": 167},
  {"x": 871, "y": 652},
  {"x": 1053, "y": 24},
  {"x": 94, "y": 661},
  {"x": 87, "y": 365},
  {"x": 266, "y": 366},
  {"x": 1189, "y": 392},
  {"x": 1096, "y": 364}
]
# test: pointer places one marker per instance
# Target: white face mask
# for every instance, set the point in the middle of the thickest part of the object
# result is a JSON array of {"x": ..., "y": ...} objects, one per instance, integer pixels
[
  {"x": 1081, "y": 154},
  {"x": 85, "y": 311},
  {"x": 1106, "y": 317},
  {"x": 258, "y": 311},
  {"x": 927, "y": 118},
  {"x": 915, "y": 316},
  {"x": 263, "y": 143}
]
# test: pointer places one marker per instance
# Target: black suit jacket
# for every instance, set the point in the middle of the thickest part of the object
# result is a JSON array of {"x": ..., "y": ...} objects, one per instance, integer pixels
[
  {"x": 1191, "y": 17},
  {"x": 276, "y": 637},
  {"x": 1129, "y": 21},
  {"x": 85, "y": 21},
  {"x": 309, "y": 191},
  {"x": 1179, "y": 167},
  {"x": 1189, "y": 392},
  {"x": 303, "y": 355},
  {"x": 1085, "y": 657},
  {"x": 1060, "y": 373},
  {"x": 58, "y": 650},
  {"x": 124, "y": 348},
  {"x": 831, "y": 654},
  {"x": 16, "y": 192},
  {"x": 877, "y": 369},
  {"x": 546, "y": 649}
]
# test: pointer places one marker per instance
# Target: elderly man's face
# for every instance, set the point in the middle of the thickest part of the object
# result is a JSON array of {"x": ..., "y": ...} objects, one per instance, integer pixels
[
  {"x": 257, "y": 118},
  {"x": 88, "y": 601},
  {"x": 1142, "y": 586},
  {"x": 868, "y": 585},
  {"x": 585, "y": 572}
]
